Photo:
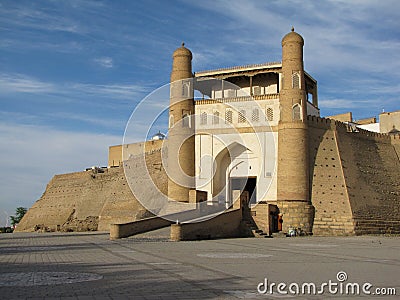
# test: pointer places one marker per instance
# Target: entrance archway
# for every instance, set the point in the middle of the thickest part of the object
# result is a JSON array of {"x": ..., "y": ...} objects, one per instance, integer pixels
[{"x": 221, "y": 164}]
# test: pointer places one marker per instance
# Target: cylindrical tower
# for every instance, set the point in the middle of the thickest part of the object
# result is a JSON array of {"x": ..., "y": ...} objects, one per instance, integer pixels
[
  {"x": 181, "y": 141},
  {"x": 293, "y": 169}
]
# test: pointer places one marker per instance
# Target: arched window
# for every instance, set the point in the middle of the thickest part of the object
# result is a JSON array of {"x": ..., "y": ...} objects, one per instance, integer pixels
[
  {"x": 216, "y": 117},
  {"x": 185, "y": 120},
  {"x": 171, "y": 121},
  {"x": 186, "y": 89},
  {"x": 255, "y": 115},
  {"x": 228, "y": 116},
  {"x": 203, "y": 118},
  {"x": 296, "y": 80},
  {"x": 297, "y": 112},
  {"x": 270, "y": 114},
  {"x": 242, "y": 116}
]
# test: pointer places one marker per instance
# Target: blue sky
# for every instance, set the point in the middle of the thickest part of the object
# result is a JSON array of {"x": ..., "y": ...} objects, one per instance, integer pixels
[{"x": 71, "y": 72}]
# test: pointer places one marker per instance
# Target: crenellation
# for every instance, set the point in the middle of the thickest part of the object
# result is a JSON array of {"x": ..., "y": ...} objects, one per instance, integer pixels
[
  {"x": 395, "y": 137},
  {"x": 318, "y": 122},
  {"x": 373, "y": 135}
]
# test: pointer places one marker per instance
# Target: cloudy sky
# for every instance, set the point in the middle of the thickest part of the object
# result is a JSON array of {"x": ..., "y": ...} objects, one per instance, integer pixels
[{"x": 71, "y": 72}]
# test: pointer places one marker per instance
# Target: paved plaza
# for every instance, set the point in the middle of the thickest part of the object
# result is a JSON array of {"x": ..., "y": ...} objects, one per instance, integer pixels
[{"x": 90, "y": 266}]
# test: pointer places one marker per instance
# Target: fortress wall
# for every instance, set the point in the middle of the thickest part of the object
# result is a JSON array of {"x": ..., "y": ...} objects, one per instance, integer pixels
[
  {"x": 67, "y": 196},
  {"x": 329, "y": 196},
  {"x": 371, "y": 168},
  {"x": 121, "y": 205},
  {"x": 354, "y": 179},
  {"x": 84, "y": 201}
]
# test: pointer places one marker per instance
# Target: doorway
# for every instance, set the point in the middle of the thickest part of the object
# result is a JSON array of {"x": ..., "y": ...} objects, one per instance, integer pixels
[{"x": 245, "y": 184}]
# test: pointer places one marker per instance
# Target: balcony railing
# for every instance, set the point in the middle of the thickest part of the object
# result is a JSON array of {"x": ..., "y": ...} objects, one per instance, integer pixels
[{"x": 238, "y": 99}]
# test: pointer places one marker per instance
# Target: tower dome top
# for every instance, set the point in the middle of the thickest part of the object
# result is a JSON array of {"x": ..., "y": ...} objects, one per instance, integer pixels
[
  {"x": 182, "y": 51},
  {"x": 293, "y": 36}
]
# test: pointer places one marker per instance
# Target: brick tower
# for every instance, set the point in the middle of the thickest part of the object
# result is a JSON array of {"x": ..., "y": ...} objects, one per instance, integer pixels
[
  {"x": 181, "y": 141},
  {"x": 293, "y": 193}
]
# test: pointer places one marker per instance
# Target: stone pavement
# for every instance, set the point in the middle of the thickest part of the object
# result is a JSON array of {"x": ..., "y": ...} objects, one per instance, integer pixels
[{"x": 90, "y": 266}]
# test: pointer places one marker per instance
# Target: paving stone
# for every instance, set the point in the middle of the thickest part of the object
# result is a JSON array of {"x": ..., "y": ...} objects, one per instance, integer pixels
[{"x": 90, "y": 266}]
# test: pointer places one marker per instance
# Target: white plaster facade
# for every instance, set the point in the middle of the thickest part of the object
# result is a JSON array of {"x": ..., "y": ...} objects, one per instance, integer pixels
[
  {"x": 231, "y": 149},
  {"x": 236, "y": 134}
]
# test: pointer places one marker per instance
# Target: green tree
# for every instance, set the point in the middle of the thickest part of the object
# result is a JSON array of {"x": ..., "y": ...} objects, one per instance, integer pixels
[{"x": 19, "y": 213}]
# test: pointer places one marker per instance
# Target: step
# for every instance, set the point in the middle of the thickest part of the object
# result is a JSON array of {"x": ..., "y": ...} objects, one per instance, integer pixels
[{"x": 260, "y": 234}]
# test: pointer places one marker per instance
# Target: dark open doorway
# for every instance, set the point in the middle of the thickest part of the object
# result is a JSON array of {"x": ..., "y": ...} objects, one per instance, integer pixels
[{"x": 248, "y": 184}]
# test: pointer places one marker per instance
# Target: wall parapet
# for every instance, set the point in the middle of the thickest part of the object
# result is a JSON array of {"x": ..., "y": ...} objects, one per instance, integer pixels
[
  {"x": 395, "y": 138},
  {"x": 118, "y": 231},
  {"x": 375, "y": 135},
  {"x": 326, "y": 123},
  {"x": 319, "y": 122},
  {"x": 226, "y": 225}
]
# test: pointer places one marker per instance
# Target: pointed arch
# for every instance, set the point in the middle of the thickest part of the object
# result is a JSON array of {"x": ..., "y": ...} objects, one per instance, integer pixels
[
  {"x": 221, "y": 163},
  {"x": 297, "y": 112},
  {"x": 296, "y": 80},
  {"x": 203, "y": 118}
]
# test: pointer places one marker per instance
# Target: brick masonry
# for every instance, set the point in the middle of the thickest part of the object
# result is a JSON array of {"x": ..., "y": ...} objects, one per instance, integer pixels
[
  {"x": 354, "y": 180},
  {"x": 85, "y": 201}
]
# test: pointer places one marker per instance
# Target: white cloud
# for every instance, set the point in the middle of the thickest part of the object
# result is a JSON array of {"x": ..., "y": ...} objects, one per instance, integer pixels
[
  {"x": 337, "y": 104},
  {"x": 32, "y": 155},
  {"x": 24, "y": 84},
  {"x": 111, "y": 90},
  {"x": 105, "y": 62},
  {"x": 40, "y": 44},
  {"x": 103, "y": 122},
  {"x": 34, "y": 18},
  {"x": 338, "y": 35},
  {"x": 20, "y": 83}
]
